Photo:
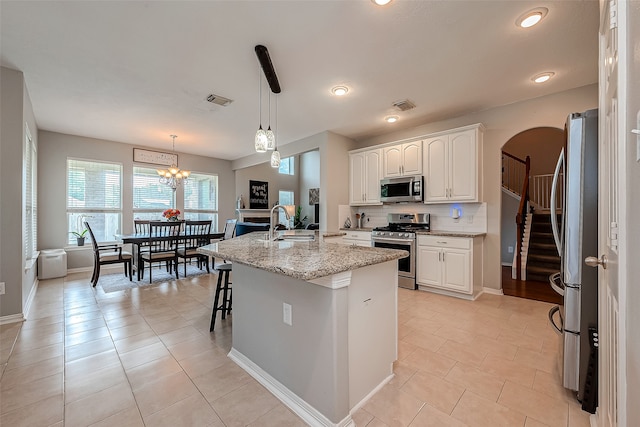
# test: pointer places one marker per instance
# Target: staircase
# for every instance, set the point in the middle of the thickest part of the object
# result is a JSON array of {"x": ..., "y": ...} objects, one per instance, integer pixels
[{"x": 542, "y": 256}]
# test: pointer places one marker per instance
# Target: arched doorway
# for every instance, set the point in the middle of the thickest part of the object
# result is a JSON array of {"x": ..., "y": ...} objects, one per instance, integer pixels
[{"x": 542, "y": 145}]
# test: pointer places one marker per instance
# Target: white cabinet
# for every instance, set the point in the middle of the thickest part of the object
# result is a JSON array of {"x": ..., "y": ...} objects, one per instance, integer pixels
[
  {"x": 357, "y": 238},
  {"x": 452, "y": 163},
  {"x": 402, "y": 160},
  {"x": 364, "y": 177},
  {"x": 452, "y": 265}
]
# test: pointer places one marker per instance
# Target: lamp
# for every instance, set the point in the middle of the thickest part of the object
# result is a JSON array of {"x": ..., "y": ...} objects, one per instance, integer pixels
[
  {"x": 261, "y": 136},
  {"x": 275, "y": 156},
  {"x": 173, "y": 176}
]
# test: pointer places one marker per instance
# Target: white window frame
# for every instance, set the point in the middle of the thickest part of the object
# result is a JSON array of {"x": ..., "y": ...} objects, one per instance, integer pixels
[
  {"x": 212, "y": 212},
  {"x": 85, "y": 212},
  {"x": 143, "y": 213},
  {"x": 30, "y": 199}
]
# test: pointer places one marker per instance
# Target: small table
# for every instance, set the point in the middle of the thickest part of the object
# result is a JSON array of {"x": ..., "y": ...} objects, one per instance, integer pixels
[{"x": 138, "y": 239}]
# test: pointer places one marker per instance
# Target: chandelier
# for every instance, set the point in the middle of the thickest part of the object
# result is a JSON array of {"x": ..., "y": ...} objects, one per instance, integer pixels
[{"x": 173, "y": 176}]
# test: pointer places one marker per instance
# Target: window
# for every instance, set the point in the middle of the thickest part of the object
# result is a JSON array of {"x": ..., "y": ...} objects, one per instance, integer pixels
[
  {"x": 201, "y": 198},
  {"x": 286, "y": 166},
  {"x": 30, "y": 169},
  {"x": 285, "y": 198},
  {"x": 94, "y": 194},
  {"x": 150, "y": 198}
]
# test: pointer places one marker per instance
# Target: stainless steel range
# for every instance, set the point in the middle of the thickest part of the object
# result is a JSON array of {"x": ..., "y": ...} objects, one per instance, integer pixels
[{"x": 400, "y": 234}]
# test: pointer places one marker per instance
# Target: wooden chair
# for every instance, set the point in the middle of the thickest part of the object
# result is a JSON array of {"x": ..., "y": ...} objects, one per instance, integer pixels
[
  {"x": 141, "y": 226},
  {"x": 163, "y": 247},
  {"x": 108, "y": 254},
  {"x": 199, "y": 232}
]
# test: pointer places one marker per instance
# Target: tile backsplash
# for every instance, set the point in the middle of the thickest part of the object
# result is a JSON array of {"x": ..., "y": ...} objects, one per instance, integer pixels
[{"x": 473, "y": 216}]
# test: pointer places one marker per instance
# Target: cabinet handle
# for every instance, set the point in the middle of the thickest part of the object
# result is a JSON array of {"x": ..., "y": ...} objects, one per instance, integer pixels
[
  {"x": 443, "y": 243},
  {"x": 439, "y": 256},
  {"x": 442, "y": 256}
]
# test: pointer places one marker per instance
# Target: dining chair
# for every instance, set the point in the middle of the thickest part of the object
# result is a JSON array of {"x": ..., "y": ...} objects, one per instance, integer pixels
[
  {"x": 163, "y": 247},
  {"x": 229, "y": 232},
  {"x": 108, "y": 254},
  {"x": 196, "y": 235},
  {"x": 141, "y": 226}
]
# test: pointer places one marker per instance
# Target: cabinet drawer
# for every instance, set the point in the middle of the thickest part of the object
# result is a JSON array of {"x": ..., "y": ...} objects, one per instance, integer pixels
[
  {"x": 445, "y": 242},
  {"x": 358, "y": 235}
]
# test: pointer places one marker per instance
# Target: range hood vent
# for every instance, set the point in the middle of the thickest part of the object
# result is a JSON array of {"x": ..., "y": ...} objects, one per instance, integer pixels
[
  {"x": 404, "y": 105},
  {"x": 219, "y": 100}
]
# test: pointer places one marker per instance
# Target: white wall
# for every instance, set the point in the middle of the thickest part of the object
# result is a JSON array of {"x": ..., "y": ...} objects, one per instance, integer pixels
[
  {"x": 264, "y": 172},
  {"x": 509, "y": 211},
  {"x": 309, "y": 178},
  {"x": 55, "y": 148},
  {"x": 501, "y": 124},
  {"x": 334, "y": 170},
  {"x": 15, "y": 112}
]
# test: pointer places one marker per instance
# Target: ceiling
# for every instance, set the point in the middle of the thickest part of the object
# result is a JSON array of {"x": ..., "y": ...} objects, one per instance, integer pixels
[{"x": 138, "y": 71}]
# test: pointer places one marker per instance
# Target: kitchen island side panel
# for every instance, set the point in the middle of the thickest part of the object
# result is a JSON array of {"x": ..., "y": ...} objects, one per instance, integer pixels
[{"x": 310, "y": 357}]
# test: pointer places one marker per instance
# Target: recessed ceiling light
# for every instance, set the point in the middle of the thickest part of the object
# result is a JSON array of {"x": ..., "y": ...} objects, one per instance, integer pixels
[
  {"x": 381, "y": 2},
  {"x": 542, "y": 77},
  {"x": 339, "y": 90},
  {"x": 391, "y": 119},
  {"x": 532, "y": 17}
]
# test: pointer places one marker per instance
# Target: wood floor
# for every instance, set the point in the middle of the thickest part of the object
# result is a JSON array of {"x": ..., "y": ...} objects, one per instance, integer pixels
[{"x": 530, "y": 289}]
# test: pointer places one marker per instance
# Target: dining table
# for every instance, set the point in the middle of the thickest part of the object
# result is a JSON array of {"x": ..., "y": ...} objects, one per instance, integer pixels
[{"x": 139, "y": 239}]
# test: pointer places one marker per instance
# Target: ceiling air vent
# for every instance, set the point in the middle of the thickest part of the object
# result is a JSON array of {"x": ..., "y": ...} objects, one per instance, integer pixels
[
  {"x": 220, "y": 100},
  {"x": 404, "y": 105}
]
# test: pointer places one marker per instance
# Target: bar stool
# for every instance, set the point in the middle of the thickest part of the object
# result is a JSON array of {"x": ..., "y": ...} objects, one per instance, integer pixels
[{"x": 225, "y": 304}]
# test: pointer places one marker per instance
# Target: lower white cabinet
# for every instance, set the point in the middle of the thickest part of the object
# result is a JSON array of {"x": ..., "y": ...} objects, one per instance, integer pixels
[
  {"x": 452, "y": 265},
  {"x": 355, "y": 238}
]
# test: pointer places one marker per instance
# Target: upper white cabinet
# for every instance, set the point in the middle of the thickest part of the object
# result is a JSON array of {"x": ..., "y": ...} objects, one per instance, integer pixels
[
  {"x": 452, "y": 164},
  {"x": 402, "y": 159},
  {"x": 364, "y": 177}
]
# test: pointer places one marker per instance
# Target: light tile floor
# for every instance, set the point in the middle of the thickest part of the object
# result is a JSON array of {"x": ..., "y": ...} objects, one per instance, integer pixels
[{"x": 145, "y": 357}]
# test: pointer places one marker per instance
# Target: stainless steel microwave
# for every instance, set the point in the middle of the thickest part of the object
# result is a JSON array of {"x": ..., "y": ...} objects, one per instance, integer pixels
[{"x": 404, "y": 189}]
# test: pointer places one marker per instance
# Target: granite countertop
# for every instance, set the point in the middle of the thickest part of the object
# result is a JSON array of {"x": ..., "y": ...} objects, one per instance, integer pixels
[
  {"x": 333, "y": 233},
  {"x": 304, "y": 260},
  {"x": 468, "y": 234}
]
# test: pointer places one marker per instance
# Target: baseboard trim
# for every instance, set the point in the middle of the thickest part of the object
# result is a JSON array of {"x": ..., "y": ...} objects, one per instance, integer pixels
[
  {"x": 492, "y": 291},
  {"x": 12, "y": 318},
  {"x": 308, "y": 413},
  {"x": 32, "y": 295},
  {"x": 507, "y": 264}
]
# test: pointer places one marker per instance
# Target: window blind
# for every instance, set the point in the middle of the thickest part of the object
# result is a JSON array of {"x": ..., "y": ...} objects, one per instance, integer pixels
[
  {"x": 150, "y": 198},
  {"x": 201, "y": 198}
]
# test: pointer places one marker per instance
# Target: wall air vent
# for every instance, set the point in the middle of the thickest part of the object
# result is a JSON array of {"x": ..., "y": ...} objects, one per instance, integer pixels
[
  {"x": 404, "y": 105},
  {"x": 220, "y": 100}
]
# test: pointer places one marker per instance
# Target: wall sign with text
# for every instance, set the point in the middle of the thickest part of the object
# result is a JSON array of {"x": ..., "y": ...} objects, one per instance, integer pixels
[
  {"x": 154, "y": 157},
  {"x": 258, "y": 195}
]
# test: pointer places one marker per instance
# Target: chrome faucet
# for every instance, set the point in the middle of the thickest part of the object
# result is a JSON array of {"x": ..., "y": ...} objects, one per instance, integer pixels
[{"x": 272, "y": 231}]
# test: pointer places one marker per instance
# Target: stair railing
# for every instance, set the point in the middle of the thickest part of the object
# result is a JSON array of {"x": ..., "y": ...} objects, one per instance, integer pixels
[
  {"x": 513, "y": 172},
  {"x": 521, "y": 216},
  {"x": 540, "y": 190}
]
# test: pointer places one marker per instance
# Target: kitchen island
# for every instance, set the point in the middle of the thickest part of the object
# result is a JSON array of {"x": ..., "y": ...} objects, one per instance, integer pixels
[{"x": 314, "y": 322}]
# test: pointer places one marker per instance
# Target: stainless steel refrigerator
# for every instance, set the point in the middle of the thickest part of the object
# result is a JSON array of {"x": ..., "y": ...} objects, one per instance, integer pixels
[{"x": 576, "y": 237}]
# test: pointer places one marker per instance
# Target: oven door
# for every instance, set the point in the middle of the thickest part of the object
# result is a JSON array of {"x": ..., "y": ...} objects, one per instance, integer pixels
[{"x": 407, "y": 265}]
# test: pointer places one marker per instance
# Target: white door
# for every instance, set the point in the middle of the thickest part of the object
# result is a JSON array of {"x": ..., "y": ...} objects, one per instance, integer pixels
[
  {"x": 356, "y": 178},
  {"x": 463, "y": 177},
  {"x": 611, "y": 411},
  {"x": 392, "y": 161},
  {"x": 435, "y": 164},
  {"x": 429, "y": 271},
  {"x": 412, "y": 158},
  {"x": 456, "y": 270},
  {"x": 372, "y": 176}
]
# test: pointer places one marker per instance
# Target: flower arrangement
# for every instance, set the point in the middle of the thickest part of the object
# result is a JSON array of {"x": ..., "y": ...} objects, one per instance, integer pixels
[{"x": 171, "y": 214}]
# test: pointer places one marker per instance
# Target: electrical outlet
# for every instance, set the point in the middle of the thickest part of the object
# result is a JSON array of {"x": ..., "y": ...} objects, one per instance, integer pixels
[
  {"x": 510, "y": 249},
  {"x": 286, "y": 314},
  {"x": 2, "y": 289}
]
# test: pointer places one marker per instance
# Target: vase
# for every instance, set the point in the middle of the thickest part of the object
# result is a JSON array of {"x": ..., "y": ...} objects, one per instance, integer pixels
[{"x": 172, "y": 218}]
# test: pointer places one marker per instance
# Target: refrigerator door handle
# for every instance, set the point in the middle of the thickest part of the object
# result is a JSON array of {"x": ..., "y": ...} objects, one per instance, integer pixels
[
  {"x": 554, "y": 192},
  {"x": 552, "y": 312}
]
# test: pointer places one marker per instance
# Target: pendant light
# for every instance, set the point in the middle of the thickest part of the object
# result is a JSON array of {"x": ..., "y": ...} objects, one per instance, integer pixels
[
  {"x": 275, "y": 156},
  {"x": 271, "y": 138},
  {"x": 261, "y": 135},
  {"x": 173, "y": 176}
]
